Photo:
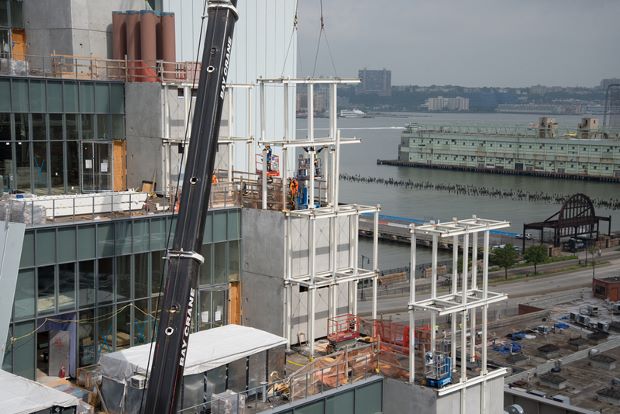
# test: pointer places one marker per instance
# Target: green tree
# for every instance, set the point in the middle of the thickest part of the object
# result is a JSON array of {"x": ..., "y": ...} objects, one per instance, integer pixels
[
  {"x": 505, "y": 257},
  {"x": 535, "y": 254}
]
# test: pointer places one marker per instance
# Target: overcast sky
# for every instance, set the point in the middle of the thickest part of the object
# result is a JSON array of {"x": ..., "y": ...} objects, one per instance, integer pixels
[{"x": 466, "y": 42}]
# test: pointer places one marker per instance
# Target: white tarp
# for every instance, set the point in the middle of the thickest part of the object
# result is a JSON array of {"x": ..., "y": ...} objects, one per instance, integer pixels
[
  {"x": 206, "y": 350},
  {"x": 19, "y": 395}
]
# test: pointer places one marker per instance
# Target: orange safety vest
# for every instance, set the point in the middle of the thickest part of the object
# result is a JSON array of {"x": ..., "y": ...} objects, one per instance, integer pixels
[{"x": 294, "y": 186}]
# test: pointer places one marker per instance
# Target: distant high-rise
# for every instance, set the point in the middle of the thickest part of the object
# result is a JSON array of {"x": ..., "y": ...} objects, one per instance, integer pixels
[
  {"x": 610, "y": 81},
  {"x": 440, "y": 103},
  {"x": 612, "y": 105},
  {"x": 378, "y": 82}
]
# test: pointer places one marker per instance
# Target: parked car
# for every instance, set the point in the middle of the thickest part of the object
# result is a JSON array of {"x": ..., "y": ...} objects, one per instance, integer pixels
[{"x": 528, "y": 236}]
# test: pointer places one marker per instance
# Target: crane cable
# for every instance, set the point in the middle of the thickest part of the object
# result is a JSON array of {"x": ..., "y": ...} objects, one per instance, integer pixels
[
  {"x": 323, "y": 33},
  {"x": 293, "y": 32},
  {"x": 196, "y": 74}
]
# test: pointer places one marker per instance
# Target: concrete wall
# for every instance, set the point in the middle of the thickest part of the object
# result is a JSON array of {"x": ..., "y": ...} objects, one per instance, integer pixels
[
  {"x": 534, "y": 404},
  {"x": 401, "y": 397},
  {"x": 75, "y": 27},
  {"x": 262, "y": 275}
]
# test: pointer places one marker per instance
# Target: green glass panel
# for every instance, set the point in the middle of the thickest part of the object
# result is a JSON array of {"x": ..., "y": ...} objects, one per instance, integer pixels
[
  {"x": 220, "y": 232},
  {"x": 157, "y": 272},
  {"x": 5, "y": 126},
  {"x": 6, "y": 166},
  {"x": 54, "y": 97},
  {"x": 219, "y": 263},
  {"x": 102, "y": 98},
  {"x": 5, "y": 92},
  {"x": 105, "y": 240},
  {"x": 17, "y": 17},
  {"x": 22, "y": 126},
  {"x": 159, "y": 233},
  {"x": 72, "y": 132},
  {"x": 123, "y": 278},
  {"x": 46, "y": 247},
  {"x": 103, "y": 127},
  {"x": 368, "y": 399},
  {"x": 234, "y": 221},
  {"x": 46, "y": 296},
  {"x": 118, "y": 127},
  {"x": 57, "y": 167},
  {"x": 73, "y": 167},
  {"x": 105, "y": 281},
  {"x": 140, "y": 236},
  {"x": 206, "y": 270},
  {"x": 37, "y": 96},
  {"x": 24, "y": 350},
  {"x": 208, "y": 234},
  {"x": 87, "y": 98},
  {"x": 88, "y": 126},
  {"x": 341, "y": 404},
  {"x": 70, "y": 96},
  {"x": 233, "y": 261},
  {"x": 143, "y": 322},
  {"x": 117, "y": 101},
  {"x": 66, "y": 286},
  {"x": 24, "y": 295},
  {"x": 86, "y": 332},
  {"x": 86, "y": 242},
  {"x": 27, "y": 259},
  {"x": 314, "y": 408},
  {"x": 22, "y": 165},
  {"x": 55, "y": 123},
  {"x": 66, "y": 244},
  {"x": 86, "y": 283},
  {"x": 40, "y": 164},
  {"x": 19, "y": 95},
  {"x": 39, "y": 127},
  {"x": 141, "y": 275},
  {"x": 123, "y": 237}
]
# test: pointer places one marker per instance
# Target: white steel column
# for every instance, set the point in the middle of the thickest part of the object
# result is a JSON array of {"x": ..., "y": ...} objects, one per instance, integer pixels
[
  {"x": 289, "y": 276},
  {"x": 485, "y": 291},
  {"x": 464, "y": 313},
  {"x": 284, "y": 171},
  {"x": 250, "y": 149},
  {"x": 263, "y": 121},
  {"x": 312, "y": 288},
  {"x": 231, "y": 126},
  {"x": 264, "y": 180},
  {"x": 433, "y": 346},
  {"x": 454, "y": 316},
  {"x": 312, "y": 151},
  {"x": 412, "y": 267},
  {"x": 375, "y": 258},
  {"x": 474, "y": 285}
]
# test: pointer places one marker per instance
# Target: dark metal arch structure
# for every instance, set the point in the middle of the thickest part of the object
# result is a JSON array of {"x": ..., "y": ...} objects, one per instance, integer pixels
[{"x": 576, "y": 218}]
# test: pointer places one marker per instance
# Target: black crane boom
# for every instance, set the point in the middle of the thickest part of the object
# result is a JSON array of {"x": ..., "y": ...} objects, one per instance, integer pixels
[{"x": 184, "y": 262}]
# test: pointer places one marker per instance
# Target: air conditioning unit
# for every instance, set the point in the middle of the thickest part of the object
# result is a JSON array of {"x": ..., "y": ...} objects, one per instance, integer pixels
[{"x": 138, "y": 381}]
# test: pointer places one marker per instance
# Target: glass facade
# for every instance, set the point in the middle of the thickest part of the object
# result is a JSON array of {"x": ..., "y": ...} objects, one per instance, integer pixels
[
  {"x": 56, "y": 135},
  {"x": 106, "y": 278}
]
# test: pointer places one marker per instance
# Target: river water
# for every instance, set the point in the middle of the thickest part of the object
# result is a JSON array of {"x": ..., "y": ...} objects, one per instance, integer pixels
[{"x": 380, "y": 138}]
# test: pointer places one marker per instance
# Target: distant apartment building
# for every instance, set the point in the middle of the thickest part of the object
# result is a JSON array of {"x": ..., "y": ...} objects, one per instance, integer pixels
[
  {"x": 373, "y": 81},
  {"x": 552, "y": 108},
  {"x": 440, "y": 103},
  {"x": 610, "y": 81}
]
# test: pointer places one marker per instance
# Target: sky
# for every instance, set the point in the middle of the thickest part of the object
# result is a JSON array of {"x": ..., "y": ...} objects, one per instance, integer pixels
[{"x": 509, "y": 43}]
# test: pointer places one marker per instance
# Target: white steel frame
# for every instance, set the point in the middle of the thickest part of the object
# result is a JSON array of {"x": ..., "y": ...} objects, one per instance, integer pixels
[{"x": 466, "y": 300}]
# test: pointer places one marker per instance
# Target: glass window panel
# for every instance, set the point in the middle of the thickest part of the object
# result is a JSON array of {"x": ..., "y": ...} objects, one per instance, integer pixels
[
  {"x": 66, "y": 240},
  {"x": 208, "y": 234},
  {"x": 233, "y": 261},
  {"x": 24, "y": 295},
  {"x": 103, "y": 127},
  {"x": 39, "y": 130},
  {"x": 237, "y": 375},
  {"x": 88, "y": 127},
  {"x": 117, "y": 94},
  {"x": 234, "y": 217},
  {"x": 37, "y": 96},
  {"x": 123, "y": 278},
  {"x": 143, "y": 322},
  {"x": 123, "y": 328},
  {"x": 314, "y": 408},
  {"x": 54, "y": 96},
  {"x": 55, "y": 123},
  {"x": 368, "y": 399},
  {"x": 5, "y": 92},
  {"x": 46, "y": 247},
  {"x": 219, "y": 309},
  {"x": 87, "y": 98},
  {"x": 86, "y": 334},
  {"x": 118, "y": 127},
  {"x": 220, "y": 232},
  {"x": 40, "y": 165},
  {"x": 57, "y": 167},
  {"x": 73, "y": 167},
  {"x": 341, "y": 404},
  {"x": 66, "y": 286},
  {"x": 206, "y": 274},
  {"x": 102, "y": 98},
  {"x": 24, "y": 350},
  {"x": 7, "y": 363},
  {"x": 17, "y": 19},
  {"x": 86, "y": 242},
  {"x": 216, "y": 381},
  {"x": 21, "y": 127},
  {"x": 105, "y": 330},
  {"x": 140, "y": 236},
  {"x": 5, "y": 125},
  {"x": 6, "y": 166},
  {"x": 105, "y": 240},
  {"x": 158, "y": 271},
  {"x": 72, "y": 127},
  {"x": 4, "y": 13},
  {"x": 205, "y": 315},
  {"x": 158, "y": 233},
  {"x": 141, "y": 275},
  {"x": 258, "y": 370},
  {"x": 105, "y": 278},
  {"x": 22, "y": 163},
  {"x": 123, "y": 237},
  {"x": 46, "y": 297},
  {"x": 86, "y": 280},
  {"x": 27, "y": 259},
  {"x": 219, "y": 263},
  {"x": 19, "y": 95},
  {"x": 70, "y": 96}
]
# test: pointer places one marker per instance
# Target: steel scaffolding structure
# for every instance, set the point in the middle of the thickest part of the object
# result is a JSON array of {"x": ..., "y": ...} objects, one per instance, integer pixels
[{"x": 465, "y": 301}]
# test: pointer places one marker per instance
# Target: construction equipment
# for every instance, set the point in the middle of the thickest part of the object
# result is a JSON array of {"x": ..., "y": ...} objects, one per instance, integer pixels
[
  {"x": 438, "y": 369},
  {"x": 343, "y": 330},
  {"x": 183, "y": 260}
]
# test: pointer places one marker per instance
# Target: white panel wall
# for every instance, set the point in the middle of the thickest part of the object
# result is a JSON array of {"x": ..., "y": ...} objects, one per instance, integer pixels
[{"x": 261, "y": 40}]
